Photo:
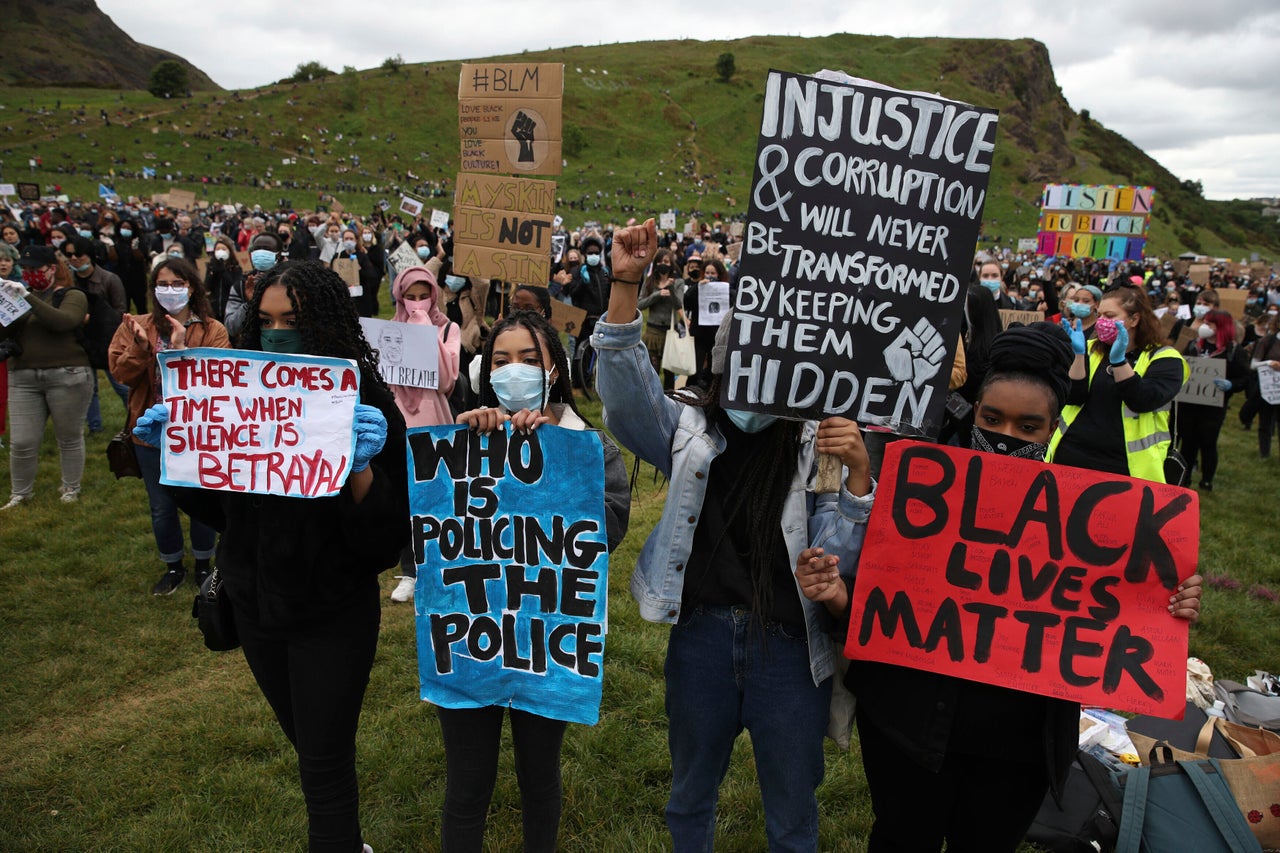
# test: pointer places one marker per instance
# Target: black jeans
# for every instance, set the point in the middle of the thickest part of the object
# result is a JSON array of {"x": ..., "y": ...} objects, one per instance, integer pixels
[
  {"x": 1267, "y": 422},
  {"x": 471, "y": 740},
  {"x": 1198, "y": 429},
  {"x": 314, "y": 677}
]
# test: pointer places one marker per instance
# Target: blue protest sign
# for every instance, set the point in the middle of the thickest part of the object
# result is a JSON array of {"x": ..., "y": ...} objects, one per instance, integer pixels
[{"x": 508, "y": 533}]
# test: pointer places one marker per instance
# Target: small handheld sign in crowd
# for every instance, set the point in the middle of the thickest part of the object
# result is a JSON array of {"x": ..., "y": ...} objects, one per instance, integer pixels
[
  {"x": 408, "y": 353},
  {"x": 248, "y": 421},
  {"x": 11, "y": 307},
  {"x": 1042, "y": 578},
  {"x": 1199, "y": 388},
  {"x": 865, "y": 206},
  {"x": 508, "y": 533}
]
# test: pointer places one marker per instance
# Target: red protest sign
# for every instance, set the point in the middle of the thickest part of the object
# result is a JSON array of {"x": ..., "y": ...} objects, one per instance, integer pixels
[{"x": 1042, "y": 578}]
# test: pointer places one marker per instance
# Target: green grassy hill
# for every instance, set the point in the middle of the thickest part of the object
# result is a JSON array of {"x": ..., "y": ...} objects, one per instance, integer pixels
[{"x": 649, "y": 126}]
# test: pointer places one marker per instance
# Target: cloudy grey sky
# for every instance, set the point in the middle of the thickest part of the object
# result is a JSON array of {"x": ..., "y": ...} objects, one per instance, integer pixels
[{"x": 1196, "y": 84}]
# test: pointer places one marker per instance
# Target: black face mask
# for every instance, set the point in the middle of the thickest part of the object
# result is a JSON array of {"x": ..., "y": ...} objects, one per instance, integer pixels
[
  {"x": 662, "y": 269},
  {"x": 1005, "y": 445},
  {"x": 693, "y": 275}
]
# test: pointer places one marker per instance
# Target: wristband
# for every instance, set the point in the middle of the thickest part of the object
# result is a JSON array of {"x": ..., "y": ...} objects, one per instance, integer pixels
[{"x": 625, "y": 281}]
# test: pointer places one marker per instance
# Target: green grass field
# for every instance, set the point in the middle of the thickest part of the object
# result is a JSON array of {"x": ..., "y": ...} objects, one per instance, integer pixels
[{"x": 120, "y": 732}]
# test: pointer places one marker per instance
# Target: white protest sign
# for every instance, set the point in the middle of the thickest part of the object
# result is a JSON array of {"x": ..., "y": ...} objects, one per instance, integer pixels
[
  {"x": 8, "y": 189},
  {"x": 1026, "y": 244},
  {"x": 407, "y": 352},
  {"x": 439, "y": 219},
  {"x": 667, "y": 221},
  {"x": 403, "y": 257},
  {"x": 713, "y": 302},
  {"x": 410, "y": 206},
  {"x": 1199, "y": 388},
  {"x": 11, "y": 307},
  {"x": 1269, "y": 384},
  {"x": 248, "y": 421}
]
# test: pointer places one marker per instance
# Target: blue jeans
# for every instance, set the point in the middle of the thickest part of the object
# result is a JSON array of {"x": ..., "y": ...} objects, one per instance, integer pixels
[
  {"x": 94, "y": 416},
  {"x": 165, "y": 523},
  {"x": 727, "y": 671}
]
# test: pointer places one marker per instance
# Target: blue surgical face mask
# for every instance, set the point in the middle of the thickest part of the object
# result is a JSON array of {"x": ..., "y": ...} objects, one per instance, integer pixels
[
  {"x": 126, "y": 232},
  {"x": 1079, "y": 309},
  {"x": 751, "y": 422},
  {"x": 593, "y": 260},
  {"x": 262, "y": 259},
  {"x": 86, "y": 233},
  {"x": 521, "y": 386},
  {"x": 281, "y": 340},
  {"x": 1200, "y": 310},
  {"x": 173, "y": 299},
  {"x": 348, "y": 245},
  {"x": 424, "y": 252},
  {"x": 991, "y": 284},
  {"x": 85, "y": 267},
  {"x": 455, "y": 282}
]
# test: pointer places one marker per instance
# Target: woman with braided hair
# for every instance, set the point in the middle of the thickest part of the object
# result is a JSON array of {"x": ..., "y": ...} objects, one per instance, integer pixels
[
  {"x": 746, "y": 649},
  {"x": 302, "y": 573},
  {"x": 926, "y": 737},
  {"x": 524, "y": 381}
]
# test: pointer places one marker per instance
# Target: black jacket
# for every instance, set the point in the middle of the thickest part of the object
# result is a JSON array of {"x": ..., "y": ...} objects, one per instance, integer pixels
[{"x": 288, "y": 561}]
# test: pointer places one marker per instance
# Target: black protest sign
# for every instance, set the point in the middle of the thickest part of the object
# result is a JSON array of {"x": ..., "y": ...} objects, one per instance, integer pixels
[{"x": 865, "y": 208}]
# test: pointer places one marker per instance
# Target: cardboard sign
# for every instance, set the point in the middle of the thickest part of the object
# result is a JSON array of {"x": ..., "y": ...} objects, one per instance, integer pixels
[
  {"x": 248, "y": 421},
  {"x": 509, "y": 117},
  {"x": 349, "y": 270},
  {"x": 713, "y": 302},
  {"x": 503, "y": 228},
  {"x": 408, "y": 353},
  {"x": 567, "y": 318},
  {"x": 1199, "y": 388},
  {"x": 28, "y": 192},
  {"x": 1026, "y": 318},
  {"x": 1180, "y": 267},
  {"x": 11, "y": 308},
  {"x": 1233, "y": 301},
  {"x": 1042, "y": 578},
  {"x": 1269, "y": 384},
  {"x": 1093, "y": 221},
  {"x": 851, "y": 288},
  {"x": 439, "y": 219},
  {"x": 667, "y": 221},
  {"x": 182, "y": 199},
  {"x": 508, "y": 533},
  {"x": 411, "y": 206},
  {"x": 1186, "y": 336},
  {"x": 1168, "y": 320},
  {"x": 1199, "y": 274},
  {"x": 402, "y": 258}
]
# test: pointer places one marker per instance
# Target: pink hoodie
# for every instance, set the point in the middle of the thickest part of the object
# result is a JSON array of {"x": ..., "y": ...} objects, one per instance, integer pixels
[{"x": 422, "y": 406}]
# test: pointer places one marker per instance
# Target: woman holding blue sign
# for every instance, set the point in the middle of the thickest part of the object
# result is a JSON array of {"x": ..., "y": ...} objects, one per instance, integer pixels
[
  {"x": 524, "y": 381},
  {"x": 302, "y": 573},
  {"x": 747, "y": 650},
  {"x": 180, "y": 317},
  {"x": 946, "y": 758}
]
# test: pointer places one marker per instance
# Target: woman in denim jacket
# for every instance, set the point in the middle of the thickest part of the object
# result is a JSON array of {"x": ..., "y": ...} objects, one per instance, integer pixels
[{"x": 747, "y": 649}]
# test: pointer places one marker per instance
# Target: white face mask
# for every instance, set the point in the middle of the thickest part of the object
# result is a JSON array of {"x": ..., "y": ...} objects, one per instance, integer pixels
[{"x": 221, "y": 254}]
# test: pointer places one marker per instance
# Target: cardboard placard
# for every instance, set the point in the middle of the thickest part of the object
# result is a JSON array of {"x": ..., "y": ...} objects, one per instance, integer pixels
[
  {"x": 520, "y": 625},
  {"x": 1269, "y": 384},
  {"x": 509, "y": 117},
  {"x": 11, "y": 308},
  {"x": 667, "y": 221},
  {"x": 1180, "y": 267},
  {"x": 1042, "y": 578},
  {"x": 1026, "y": 318},
  {"x": 1168, "y": 320},
  {"x": 245, "y": 262},
  {"x": 567, "y": 318},
  {"x": 1094, "y": 221},
  {"x": 1199, "y": 274},
  {"x": 851, "y": 286},
  {"x": 402, "y": 258},
  {"x": 501, "y": 229},
  {"x": 736, "y": 230},
  {"x": 515, "y": 267},
  {"x": 408, "y": 353},
  {"x": 349, "y": 271},
  {"x": 1232, "y": 301},
  {"x": 181, "y": 199},
  {"x": 498, "y": 192},
  {"x": 1186, "y": 336},
  {"x": 1199, "y": 389},
  {"x": 249, "y": 421}
]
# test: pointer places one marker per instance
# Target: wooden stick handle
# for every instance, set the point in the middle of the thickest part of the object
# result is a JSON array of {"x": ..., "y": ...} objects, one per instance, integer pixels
[{"x": 829, "y": 470}]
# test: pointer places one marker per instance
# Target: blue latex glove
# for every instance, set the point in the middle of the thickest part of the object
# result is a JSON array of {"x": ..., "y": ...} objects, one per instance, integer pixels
[
  {"x": 1077, "y": 335},
  {"x": 1222, "y": 384},
  {"x": 150, "y": 425},
  {"x": 1120, "y": 346},
  {"x": 371, "y": 434}
]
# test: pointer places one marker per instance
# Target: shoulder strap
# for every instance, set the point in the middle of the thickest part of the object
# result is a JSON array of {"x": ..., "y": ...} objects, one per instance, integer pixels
[
  {"x": 1222, "y": 808},
  {"x": 1134, "y": 810}
]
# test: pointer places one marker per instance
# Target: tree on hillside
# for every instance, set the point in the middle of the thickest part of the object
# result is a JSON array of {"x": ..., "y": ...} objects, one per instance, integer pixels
[
  {"x": 725, "y": 66},
  {"x": 168, "y": 79},
  {"x": 309, "y": 71},
  {"x": 393, "y": 64}
]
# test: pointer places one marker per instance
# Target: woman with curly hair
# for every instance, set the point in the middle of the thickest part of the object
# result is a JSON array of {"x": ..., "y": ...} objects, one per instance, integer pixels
[
  {"x": 302, "y": 573},
  {"x": 180, "y": 317}
]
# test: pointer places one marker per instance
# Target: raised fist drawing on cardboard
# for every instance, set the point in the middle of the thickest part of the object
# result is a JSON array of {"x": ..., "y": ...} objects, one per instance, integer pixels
[
  {"x": 915, "y": 356},
  {"x": 522, "y": 129}
]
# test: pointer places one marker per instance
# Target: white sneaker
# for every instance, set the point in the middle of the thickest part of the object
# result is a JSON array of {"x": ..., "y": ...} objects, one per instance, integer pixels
[
  {"x": 70, "y": 497},
  {"x": 367, "y": 848},
  {"x": 404, "y": 590},
  {"x": 13, "y": 501}
]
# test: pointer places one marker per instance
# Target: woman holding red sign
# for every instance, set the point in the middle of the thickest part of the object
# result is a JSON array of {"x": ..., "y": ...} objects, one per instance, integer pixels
[{"x": 954, "y": 760}]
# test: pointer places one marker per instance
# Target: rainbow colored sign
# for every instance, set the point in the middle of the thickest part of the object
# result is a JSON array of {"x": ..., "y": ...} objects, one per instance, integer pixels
[{"x": 1093, "y": 221}]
